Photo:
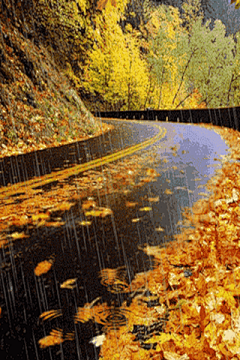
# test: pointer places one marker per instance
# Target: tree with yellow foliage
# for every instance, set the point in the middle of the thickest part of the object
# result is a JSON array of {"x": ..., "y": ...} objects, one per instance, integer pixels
[
  {"x": 66, "y": 26},
  {"x": 115, "y": 72}
]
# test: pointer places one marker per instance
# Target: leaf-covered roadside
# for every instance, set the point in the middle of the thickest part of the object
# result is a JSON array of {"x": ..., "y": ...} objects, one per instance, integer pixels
[
  {"x": 196, "y": 280},
  {"x": 38, "y": 106}
]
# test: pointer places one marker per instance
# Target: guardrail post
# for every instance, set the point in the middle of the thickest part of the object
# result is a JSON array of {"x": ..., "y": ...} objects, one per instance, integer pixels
[
  {"x": 167, "y": 119},
  {"x": 177, "y": 119},
  {"x": 156, "y": 118}
]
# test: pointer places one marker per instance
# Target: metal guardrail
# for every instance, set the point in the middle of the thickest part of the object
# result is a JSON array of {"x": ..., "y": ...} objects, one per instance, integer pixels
[{"x": 227, "y": 117}]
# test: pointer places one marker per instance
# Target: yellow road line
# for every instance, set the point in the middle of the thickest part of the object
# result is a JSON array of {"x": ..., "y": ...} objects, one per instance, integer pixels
[{"x": 63, "y": 174}]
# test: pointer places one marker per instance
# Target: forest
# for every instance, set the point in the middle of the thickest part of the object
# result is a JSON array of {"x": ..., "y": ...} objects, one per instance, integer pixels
[
  {"x": 112, "y": 55},
  {"x": 128, "y": 56}
]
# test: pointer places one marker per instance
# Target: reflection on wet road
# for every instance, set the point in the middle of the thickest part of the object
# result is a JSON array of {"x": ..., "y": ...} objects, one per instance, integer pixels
[{"x": 71, "y": 247}]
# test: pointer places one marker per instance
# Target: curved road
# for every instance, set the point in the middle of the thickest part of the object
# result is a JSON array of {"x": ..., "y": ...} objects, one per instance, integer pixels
[{"x": 185, "y": 156}]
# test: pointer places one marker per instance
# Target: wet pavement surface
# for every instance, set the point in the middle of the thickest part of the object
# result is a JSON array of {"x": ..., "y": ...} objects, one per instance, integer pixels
[
  {"x": 185, "y": 158},
  {"x": 14, "y": 169}
]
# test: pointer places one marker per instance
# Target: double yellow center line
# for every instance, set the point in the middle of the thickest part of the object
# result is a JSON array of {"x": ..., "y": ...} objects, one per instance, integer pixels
[{"x": 63, "y": 174}]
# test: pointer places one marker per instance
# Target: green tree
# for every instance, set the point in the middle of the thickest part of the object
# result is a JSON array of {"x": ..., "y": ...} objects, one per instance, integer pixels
[
  {"x": 168, "y": 57},
  {"x": 192, "y": 12},
  {"x": 66, "y": 27},
  {"x": 234, "y": 85},
  {"x": 193, "y": 65},
  {"x": 211, "y": 63}
]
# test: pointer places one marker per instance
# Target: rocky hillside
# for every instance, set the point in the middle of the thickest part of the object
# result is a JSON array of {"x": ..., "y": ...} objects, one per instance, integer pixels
[{"x": 38, "y": 106}]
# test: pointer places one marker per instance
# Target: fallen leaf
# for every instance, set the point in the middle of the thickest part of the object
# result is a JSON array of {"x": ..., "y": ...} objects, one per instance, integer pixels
[
  {"x": 89, "y": 204},
  {"x": 51, "y": 314},
  {"x": 17, "y": 235},
  {"x": 84, "y": 314},
  {"x": 153, "y": 199},
  {"x": 55, "y": 223},
  {"x": 84, "y": 223},
  {"x": 98, "y": 340},
  {"x": 173, "y": 356},
  {"x": 41, "y": 216},
  {"x": 43, "y": 267},
  {"x": 64, "y": 206},
  {"x": 101, "y": 212},
  {"x": 168, "y": 191},
  {"x": 217, "y": 317},
  {"x": 136, "y": 220},
  {"x": 234, "y": 198},
  {"x": 229, "y": 335},
  {"x": 146, "y": 208},
  {"x": 152, "y": 172},
  {"x": 55, "y": 338},
  {"x": 159, "y": 229},
  {"x": 131, "y": 204},
  {"x": 69, "y": 284}
]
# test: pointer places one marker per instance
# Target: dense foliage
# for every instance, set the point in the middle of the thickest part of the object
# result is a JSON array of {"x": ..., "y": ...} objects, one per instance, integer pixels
[
  {"x": 168, "y": 60},
  {"x": 122, "y": 55}
]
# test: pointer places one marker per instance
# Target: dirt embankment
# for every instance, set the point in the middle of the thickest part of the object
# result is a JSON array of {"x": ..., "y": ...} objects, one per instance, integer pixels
[{"x": 39, "y": 108}]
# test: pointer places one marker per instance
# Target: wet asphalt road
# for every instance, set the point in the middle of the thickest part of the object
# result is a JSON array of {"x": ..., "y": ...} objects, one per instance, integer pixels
[
  {"x": 14, "y": 169},
  {"x": 108, "y": 243}
]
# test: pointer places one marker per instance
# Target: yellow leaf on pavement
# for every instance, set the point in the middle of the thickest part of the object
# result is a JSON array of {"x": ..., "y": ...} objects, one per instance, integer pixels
[
  {"x": 146, "y": 208},
  {"x": 136, "y": 220},
  {"x": 159, "y": 229},
  {"x": 55, "y": 338},
  {"x": 84, "y": 223},
  {"x": 51, "y": 314},
  {"x": 40, "y": 216},
  {"x": 89, "y": 204},
  {"x": 64, "y": 206},
  {"x": 17, "y": 235},
  {"x": 68, "y": 284},
  {"x": 131, "y": 204},
  {"x": 155, "y": 199},
  {"x": 43, "y": 267},
  {"x": 101, "y": 212}
]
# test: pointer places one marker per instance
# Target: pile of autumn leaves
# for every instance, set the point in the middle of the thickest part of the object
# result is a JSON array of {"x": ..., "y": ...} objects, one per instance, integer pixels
[
  {"x": 203, "y": 307},
  {"x": 39, "y": 107}
]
